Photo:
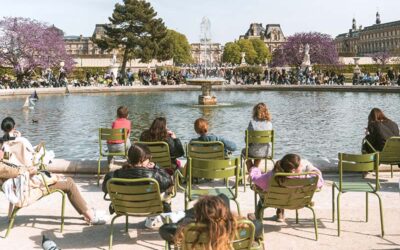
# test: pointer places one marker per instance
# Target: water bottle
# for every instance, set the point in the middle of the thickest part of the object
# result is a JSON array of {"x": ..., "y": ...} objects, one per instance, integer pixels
[{"x": 48, "y": 244}]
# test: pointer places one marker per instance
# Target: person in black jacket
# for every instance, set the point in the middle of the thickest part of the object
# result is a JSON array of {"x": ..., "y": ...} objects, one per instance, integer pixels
[
  {"x": 158, "y": 131},
  {"x": 140, "y": 166},
  {"x": 380, "y": 128}
]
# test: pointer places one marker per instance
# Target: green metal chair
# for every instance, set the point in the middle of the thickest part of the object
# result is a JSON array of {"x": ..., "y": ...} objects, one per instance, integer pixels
[
  {"x": 357, "y": 163},
  {"x": 264, "y": 137},
  {"x": 106, "y": 134},
  {"x": 15, "y": 209},
  {"x": 195, "y": 236},
  {"x": 390, "y": 153},
  {"x": 212, "y": 169},
  {"x": 294, "y": 192},
  {"x": 205, "y": 150},
  {"x": 134, "y": 197}
]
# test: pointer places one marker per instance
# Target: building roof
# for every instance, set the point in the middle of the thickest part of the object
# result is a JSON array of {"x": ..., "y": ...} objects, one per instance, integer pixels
[{"x": 382, "y": 25}]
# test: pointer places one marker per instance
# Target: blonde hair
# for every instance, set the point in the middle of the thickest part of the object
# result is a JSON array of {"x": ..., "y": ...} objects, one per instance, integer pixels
[{"x": 261, "y": 113}]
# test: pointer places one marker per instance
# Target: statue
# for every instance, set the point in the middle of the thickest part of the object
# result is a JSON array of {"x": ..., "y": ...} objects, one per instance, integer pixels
[
  {"x": 114, "y": 59},
  {"x": 243, "y": 60},
  {"x": 306, "y": 60}
]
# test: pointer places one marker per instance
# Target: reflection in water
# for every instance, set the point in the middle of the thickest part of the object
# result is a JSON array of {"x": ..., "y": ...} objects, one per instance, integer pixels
[{"x": 318, "y": 124}]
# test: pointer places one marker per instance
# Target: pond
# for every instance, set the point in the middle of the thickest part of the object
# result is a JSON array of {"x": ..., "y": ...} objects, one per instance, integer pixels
[{"x": 313, "y": 124}]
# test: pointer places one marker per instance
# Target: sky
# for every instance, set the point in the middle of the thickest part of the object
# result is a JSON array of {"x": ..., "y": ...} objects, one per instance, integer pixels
[{"x": 229, "y": 18}]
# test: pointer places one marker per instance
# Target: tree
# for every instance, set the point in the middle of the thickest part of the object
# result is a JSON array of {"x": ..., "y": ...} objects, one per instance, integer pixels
[
  {"x": 381, "y": 58},
  {"x": 135, "y": 31},
  {"x": 322, "y": 50},
  {"x": 246, "y": 46},
  {"x": 261, "y": 50},
  {"x": 27, "y": 44},
  {"x": 231, "y": 53},
  {"x": 176, "y": 46}
]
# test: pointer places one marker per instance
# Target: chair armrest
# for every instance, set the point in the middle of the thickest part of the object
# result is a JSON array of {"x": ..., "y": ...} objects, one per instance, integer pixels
[
  {"x": 178, "y": 176},
  {"x": 369, "y": 144},
  {"x": 45, "y": 182}
]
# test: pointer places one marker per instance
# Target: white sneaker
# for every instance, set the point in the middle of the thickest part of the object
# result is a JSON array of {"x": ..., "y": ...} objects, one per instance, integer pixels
[
  {"x": 153, "y": 222},
  {"x": 100, "y": 218}
]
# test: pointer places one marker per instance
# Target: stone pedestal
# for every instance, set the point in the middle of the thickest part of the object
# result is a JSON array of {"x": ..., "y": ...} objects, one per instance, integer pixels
[{"x": 207, "y": 100}]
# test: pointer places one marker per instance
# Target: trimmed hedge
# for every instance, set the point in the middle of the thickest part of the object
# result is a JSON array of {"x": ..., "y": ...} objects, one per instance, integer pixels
[{"x": 372, "y": 68}]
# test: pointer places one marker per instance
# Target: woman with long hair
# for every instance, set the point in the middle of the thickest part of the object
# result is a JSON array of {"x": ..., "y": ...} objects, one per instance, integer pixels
[
  {"x": 158, "y": 131},
  {"x": 379, "y": 129},
  {"x": 261, "y": 121},
  {"x": 213, "y": 211}
]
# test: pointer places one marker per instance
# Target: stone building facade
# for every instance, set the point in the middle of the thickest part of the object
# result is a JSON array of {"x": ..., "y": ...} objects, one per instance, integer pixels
[
  {"x": 210, "y": 53},
  {"x": 380, "y": 37},
  {"x": 272, "y": 34}
]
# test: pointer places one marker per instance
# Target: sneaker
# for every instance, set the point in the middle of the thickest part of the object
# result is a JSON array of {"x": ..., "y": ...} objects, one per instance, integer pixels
[
  {"x": 153, "y": 222},
  {"x": 100, "y": 218},
  {"x": 280, "y": 215}
]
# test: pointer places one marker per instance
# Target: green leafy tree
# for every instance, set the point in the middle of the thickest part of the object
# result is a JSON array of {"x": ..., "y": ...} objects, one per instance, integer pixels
[
  {"x": 247, "y": 46},
  {"x": 135, "y": 32},
  {"x": 261, "y": 50},
  {"x": 176, "y": 46},
  {"x": 231, "y": 53}
]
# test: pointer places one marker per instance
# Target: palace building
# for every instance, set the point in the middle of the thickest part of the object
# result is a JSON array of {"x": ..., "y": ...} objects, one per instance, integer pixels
[
  {"x": 272, "y": 34},
  {"x": 379, "y": 37}
]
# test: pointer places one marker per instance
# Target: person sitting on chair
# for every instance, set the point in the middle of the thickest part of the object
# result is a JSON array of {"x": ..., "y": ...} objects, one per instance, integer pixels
[
  {"x": 261, "y": 121},
  {"x": 93, "y": 217},
  {"x": 121, "y": 122},
  {"x": 201, "y": 128},
  {"x": 214, "y": 211},
  {"x": 380, "y": 128},
  {"x": 139, "y": 165},
  {"x": 290, "y": 163},
  {"x": 158, "y": 131}
]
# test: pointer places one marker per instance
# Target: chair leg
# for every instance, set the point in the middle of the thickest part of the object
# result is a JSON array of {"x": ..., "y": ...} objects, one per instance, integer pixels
[
  {"x": 112, "y": 231},
  {"x": 12, "y": 218},
  {"x": 391, "y": 170},
  {"x": 315, "y": 223},
  {"x": 126, "y": 223},
  {"x": 366, "y": 207},
  {"x": 238, "y": 208},
  {"x": 98, "y": 171},
  {"x": 333, "y": 203},
  {"x": 297, "y": 216},
  {"x": 381, "y": 213},
  {"x": 243, "y": 167},
  {"x": 338, "y": 213},
  {"x": 62, "y": 210}
]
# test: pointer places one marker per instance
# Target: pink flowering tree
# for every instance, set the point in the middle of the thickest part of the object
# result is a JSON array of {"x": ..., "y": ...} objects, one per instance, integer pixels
[
  {"x": 322, "y": 50},
  {"x": 381, "y": 58},
  {"x": 26, "y": 45}
]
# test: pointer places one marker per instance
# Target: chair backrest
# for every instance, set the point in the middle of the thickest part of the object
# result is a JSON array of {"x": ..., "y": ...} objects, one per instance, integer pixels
[
  {"x": 205, "y": 150},
  {"x": 294, "y": 191},
  {"x": 358, "y": 163},
  {"x": 391, "y": 151},
  {"x": 138, "y": 197},
  {"x": 195, "y": 236},
  {"x": 262, "y": 137},
  {"x": 159, "y": 153},
  {"x": 108, "y": 134},
  {"x": 213, "y": 169}
]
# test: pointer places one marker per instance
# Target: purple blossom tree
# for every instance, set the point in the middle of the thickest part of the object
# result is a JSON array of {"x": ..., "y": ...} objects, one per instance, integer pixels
[
  {"x": 322, "y": 50},
  {"x": 27, "y": 44},
  {"x": 381, "y": 58}
]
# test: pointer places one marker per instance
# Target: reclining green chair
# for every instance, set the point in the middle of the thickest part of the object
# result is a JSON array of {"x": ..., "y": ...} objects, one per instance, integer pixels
[
  {"x": 134, "y": 197},
  {"x": 212, "y": 169},
  {"x": 14, "y": 209},
  {"x": 390, "y": 153},
  {"x": 195, "y": 236},
  {"x": 294, "y": 192},
  {"x": 264, "y": 137},
  {"x": 357, "y": 163},
  {"x": 106, "y": 134}
]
